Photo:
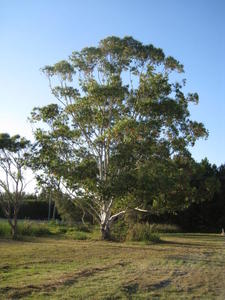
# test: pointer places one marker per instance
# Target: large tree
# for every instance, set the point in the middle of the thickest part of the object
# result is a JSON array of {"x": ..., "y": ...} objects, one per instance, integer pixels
[
  {"x": 13, "y": 162},
  {"x": 120, "y": 115}
]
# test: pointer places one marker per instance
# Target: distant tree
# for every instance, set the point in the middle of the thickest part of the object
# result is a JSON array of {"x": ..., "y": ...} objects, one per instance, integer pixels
[
  {"x": 220, "y": 198},
  {"x": 124, "y": 118},
  {"x": 13, "y": 159},
  {"x": 205, "y": 181},
  {"x": 48, "y": 186}
]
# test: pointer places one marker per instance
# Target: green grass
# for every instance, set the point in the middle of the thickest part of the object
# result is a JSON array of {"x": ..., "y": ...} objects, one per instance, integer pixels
[
  {"x": 4, "y": 228},
  {"x": 183, "y": 266},
  {"x": 28, "y": 228}
]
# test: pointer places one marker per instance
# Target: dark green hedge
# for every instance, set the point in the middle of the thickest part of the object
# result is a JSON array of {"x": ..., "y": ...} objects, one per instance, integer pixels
[{"x": 33, "y": 209}]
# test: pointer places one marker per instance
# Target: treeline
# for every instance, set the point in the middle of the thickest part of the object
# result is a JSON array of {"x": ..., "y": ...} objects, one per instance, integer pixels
[{"x": 205, "y": 216}]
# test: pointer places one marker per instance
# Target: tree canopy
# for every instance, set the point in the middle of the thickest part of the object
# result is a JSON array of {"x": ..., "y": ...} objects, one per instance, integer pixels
[{"x": 120, "y": 131}]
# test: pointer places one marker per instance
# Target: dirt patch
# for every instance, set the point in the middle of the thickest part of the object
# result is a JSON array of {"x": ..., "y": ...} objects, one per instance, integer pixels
[
  {"x": 159, "y": 285},
  {"x": 5, "y": 268},
  {"x": 130, "y": 289}
]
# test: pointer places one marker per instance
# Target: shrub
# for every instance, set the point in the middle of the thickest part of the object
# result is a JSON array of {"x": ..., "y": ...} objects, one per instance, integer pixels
[
  {"x": 62, "y": 229},
  {"x": 142, "y": 232},
  {"x": 119, "y": 231},
  {"x": 83, "y": 227}
]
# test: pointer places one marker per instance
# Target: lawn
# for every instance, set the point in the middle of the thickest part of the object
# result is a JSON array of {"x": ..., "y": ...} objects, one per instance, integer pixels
[{"x": 183, "y": 266}]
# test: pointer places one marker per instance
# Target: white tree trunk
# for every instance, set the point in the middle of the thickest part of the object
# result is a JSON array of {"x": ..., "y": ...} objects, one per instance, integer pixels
[{"x": 106, "y": 220}]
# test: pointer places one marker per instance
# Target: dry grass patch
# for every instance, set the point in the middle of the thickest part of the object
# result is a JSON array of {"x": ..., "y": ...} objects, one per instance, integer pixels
[{"x": 183, "y": 266}]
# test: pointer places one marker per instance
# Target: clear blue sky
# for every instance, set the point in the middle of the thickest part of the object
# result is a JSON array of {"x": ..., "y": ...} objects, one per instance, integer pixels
[{"x": 35, "y": 33}]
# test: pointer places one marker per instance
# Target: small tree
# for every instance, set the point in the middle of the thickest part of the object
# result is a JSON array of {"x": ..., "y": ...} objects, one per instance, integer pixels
[
  {"x": 124, "y": 115},
  {"x": 13, "y": 154}
]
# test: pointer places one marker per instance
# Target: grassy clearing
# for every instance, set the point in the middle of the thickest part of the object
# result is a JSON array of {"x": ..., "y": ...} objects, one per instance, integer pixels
[{"x": 184, "y": 266}]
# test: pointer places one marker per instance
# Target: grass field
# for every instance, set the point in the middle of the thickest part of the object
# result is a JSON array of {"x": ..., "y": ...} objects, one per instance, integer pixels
[{"x": 183, "y": 266}]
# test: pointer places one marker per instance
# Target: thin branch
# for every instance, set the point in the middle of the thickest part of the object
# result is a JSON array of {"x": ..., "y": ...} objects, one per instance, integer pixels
[{"x": 141, "y": 210}]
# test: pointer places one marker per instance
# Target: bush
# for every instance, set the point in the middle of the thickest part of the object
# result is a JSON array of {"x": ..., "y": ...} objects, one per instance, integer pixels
[
  {"x": 142, "y": 232},
  {"x": 119, "y": 231},
  {"x": 83, "y": 227}
]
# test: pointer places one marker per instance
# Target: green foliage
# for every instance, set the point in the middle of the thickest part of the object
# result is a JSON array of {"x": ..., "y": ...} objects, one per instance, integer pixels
[
  {"x": 14, "y": 154},
  {"x": 120, "y": 133},
  {"x": 83, "y": 227},
  {"x": 12, "y": 143},
  {"x": 142, "y": 232},
  {"x": 67, "y": 210},
  {"x": 205, "y": 180},
  {"x": 119, "y": 231},
  {"x": 70, "y": 212},
  {"x": 207, "y": 213}
]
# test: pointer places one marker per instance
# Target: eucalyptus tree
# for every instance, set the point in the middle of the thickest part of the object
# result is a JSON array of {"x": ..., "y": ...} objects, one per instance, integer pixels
[
  {"x": 119, "y": 113},
  {"x": 13, "y": 161}
]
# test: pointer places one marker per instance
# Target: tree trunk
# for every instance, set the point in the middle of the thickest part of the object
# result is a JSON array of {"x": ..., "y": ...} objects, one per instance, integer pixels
[
  {"x": 82, "y": 218},
  {"x": 107, "y": 220},
  {"x": 14, "y": 232},
  {"x": 54, "y": 211},
  {"x": 105, "y": 231},
  {"x": 13, "y": 226},
  {"x": 49, "y": 207}
]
